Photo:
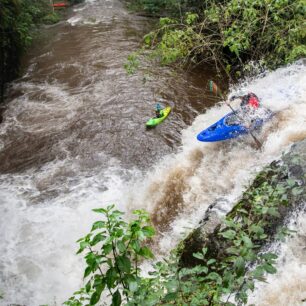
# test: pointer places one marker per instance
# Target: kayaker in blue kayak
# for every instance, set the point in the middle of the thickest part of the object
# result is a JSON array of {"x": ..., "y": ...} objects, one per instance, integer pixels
[
  {"x": 249, "y": 105},
  {"x": 249, "y": 102},
  {"x": 158, "y": 112}
]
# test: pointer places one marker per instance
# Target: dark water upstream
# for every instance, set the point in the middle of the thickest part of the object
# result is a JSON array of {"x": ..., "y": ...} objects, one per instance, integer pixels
[
  {"x": 76, "y": 100},
  {"x": 73, "y": 138}
]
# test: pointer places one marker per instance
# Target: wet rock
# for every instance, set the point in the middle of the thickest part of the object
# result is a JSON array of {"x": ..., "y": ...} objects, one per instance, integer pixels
[{"x": 206, "y": 234}]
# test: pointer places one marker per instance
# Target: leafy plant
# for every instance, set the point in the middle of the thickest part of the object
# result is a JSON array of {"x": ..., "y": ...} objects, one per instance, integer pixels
[
  {"x": 231, "y": 33},
  {"x": 114, "y": 249}
]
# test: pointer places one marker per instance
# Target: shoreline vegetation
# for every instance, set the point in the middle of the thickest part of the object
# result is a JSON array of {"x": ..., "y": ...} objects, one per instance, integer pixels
[
  {"x": 229, "y": 34},
  {"x": 19, "y": 19}
]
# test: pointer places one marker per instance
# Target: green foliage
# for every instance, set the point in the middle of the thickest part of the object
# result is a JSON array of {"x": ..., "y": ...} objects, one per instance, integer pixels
[
  {"x": 154, "y": 7},
  {"x": 231, "y": 33},
  {"x": 17, "y": 19},
  {"x": 113, "y": 250},
  {"x": 132, "y": 63},
  {"x": 51, "y": 18}
]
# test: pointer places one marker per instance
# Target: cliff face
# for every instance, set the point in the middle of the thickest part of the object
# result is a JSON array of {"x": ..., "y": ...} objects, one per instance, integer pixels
[{"x": 289, "y": 169}]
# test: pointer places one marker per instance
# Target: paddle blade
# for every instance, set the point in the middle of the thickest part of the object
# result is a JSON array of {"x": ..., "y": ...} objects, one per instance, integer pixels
[{"x": 214, "y": 88}]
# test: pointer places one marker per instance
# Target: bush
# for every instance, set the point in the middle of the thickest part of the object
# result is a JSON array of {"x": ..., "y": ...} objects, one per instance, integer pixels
[
  {"x": 51, "y": 18},
  {"x": 230, "y": 33}
]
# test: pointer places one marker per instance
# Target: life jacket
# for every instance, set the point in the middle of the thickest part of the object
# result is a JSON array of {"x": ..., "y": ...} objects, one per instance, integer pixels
[{"x": 250, "y": 100}]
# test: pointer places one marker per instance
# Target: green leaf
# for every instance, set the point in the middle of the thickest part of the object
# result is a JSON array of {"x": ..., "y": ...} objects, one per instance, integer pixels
[
  {"x": 111, "y": 277},
  {"x": 239, "y": 266},
  {"x": 88, "y": 286},
  {"x": 215, "y": 277},
  {"x": 172, "y": 285},
  {"x": 123, "y": 264},
  {"x": 146, "y": 252},
  {"x": 96, "y": 239},
  {"x": 133, "y": 285},
  {"x": 135, "y": 245},
  {"x": 258, "y": 273},
  {"x": 110, "y": 207},
  {"x": 269, "y": 256},
  {"x": 297, "y": 191},
  {"x": 211, "y": 261},
  {"x": 98, "y": 224},
  {"x": 107, "y": 248},
  {"x": 170, "y": 297},
  {"x": 269, "y": 268},
  {"x": 191, "y": 18},
  {"x": 121, "y": 246},
  {"x": 148, "y": 231},
  {"x": 291, "y": 182},
  {"x": 116, "y": 301},
  {"x": 87, "y": 271},
  {"x": 230, "y": 223},
  {"x": 204, "y": 251},
  {"x": 100, "y": 210},
  {"x": 148, "y": 39},
  {"x": 83, "y": 245},
  {"x": 258, "y": 230},
  {"x": 233, "y": 250},
  {"x": 247, "y": 241},
  {"x": 272, "y": 211},
  {"x": 229, "y": 234},
  {"x": 198, "y": 255},
  {"x": 95, "y": 297}
]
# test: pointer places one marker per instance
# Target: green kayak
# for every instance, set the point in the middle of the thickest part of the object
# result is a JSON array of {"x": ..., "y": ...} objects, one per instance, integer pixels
[{"x": 155, "y": 121}]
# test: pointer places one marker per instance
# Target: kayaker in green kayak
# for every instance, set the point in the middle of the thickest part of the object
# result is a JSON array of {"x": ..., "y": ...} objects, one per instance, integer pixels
[{"x": 158, "y": 113}]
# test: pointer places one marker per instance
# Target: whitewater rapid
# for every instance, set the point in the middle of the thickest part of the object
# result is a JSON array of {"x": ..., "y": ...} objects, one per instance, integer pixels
[
  {"x": 38, "y": 261},
  {"x": 44, "y": 209},
  {"x": 288, "y": 285}
]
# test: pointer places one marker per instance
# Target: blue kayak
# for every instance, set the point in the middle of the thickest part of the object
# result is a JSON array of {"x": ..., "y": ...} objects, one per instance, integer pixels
[{"x": 229, "y": 127}]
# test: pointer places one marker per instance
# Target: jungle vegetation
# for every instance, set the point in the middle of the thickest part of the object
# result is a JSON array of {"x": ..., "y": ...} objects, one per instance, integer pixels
[{"x": 226, "y": 33}]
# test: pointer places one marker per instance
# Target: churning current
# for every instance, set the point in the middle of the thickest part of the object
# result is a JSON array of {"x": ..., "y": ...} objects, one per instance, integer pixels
[{"x": 73, "y": 138}]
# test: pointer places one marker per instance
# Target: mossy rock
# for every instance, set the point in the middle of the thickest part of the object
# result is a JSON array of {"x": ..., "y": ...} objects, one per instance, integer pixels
[{"x": 292, "y": 166}]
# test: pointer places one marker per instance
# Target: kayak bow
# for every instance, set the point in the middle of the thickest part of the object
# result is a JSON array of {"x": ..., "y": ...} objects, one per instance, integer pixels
[
  {"x": 155, "y": 121},
  {"x": 229, "y": 127}
]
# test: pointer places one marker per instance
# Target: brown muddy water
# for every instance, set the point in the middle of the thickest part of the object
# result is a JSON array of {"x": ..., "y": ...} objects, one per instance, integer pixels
[
  {"x": 75, "y": 98},
  {"x": 73, "y": 138}
]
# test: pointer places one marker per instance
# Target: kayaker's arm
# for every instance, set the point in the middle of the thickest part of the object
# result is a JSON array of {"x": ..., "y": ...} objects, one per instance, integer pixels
[{"x": 232, "y": 98}]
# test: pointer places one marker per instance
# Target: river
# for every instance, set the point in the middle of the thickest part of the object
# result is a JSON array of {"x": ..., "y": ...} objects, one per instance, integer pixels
[{"x": 73, "y": 139}]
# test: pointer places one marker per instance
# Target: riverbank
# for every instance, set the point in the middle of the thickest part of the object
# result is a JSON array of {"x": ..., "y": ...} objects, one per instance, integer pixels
[
  {"x": 283, "y": 178},
  {"x": 229, "y": 35},
  {"x": 19, "y": 23}
]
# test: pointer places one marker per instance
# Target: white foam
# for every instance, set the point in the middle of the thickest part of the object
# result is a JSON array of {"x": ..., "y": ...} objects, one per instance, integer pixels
[
  {"x": 39, "y": 241},
  {"x": 210, "y": 170},
  {"x": 288, "y": 285},
  {"x": 38, "y": 264}
]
